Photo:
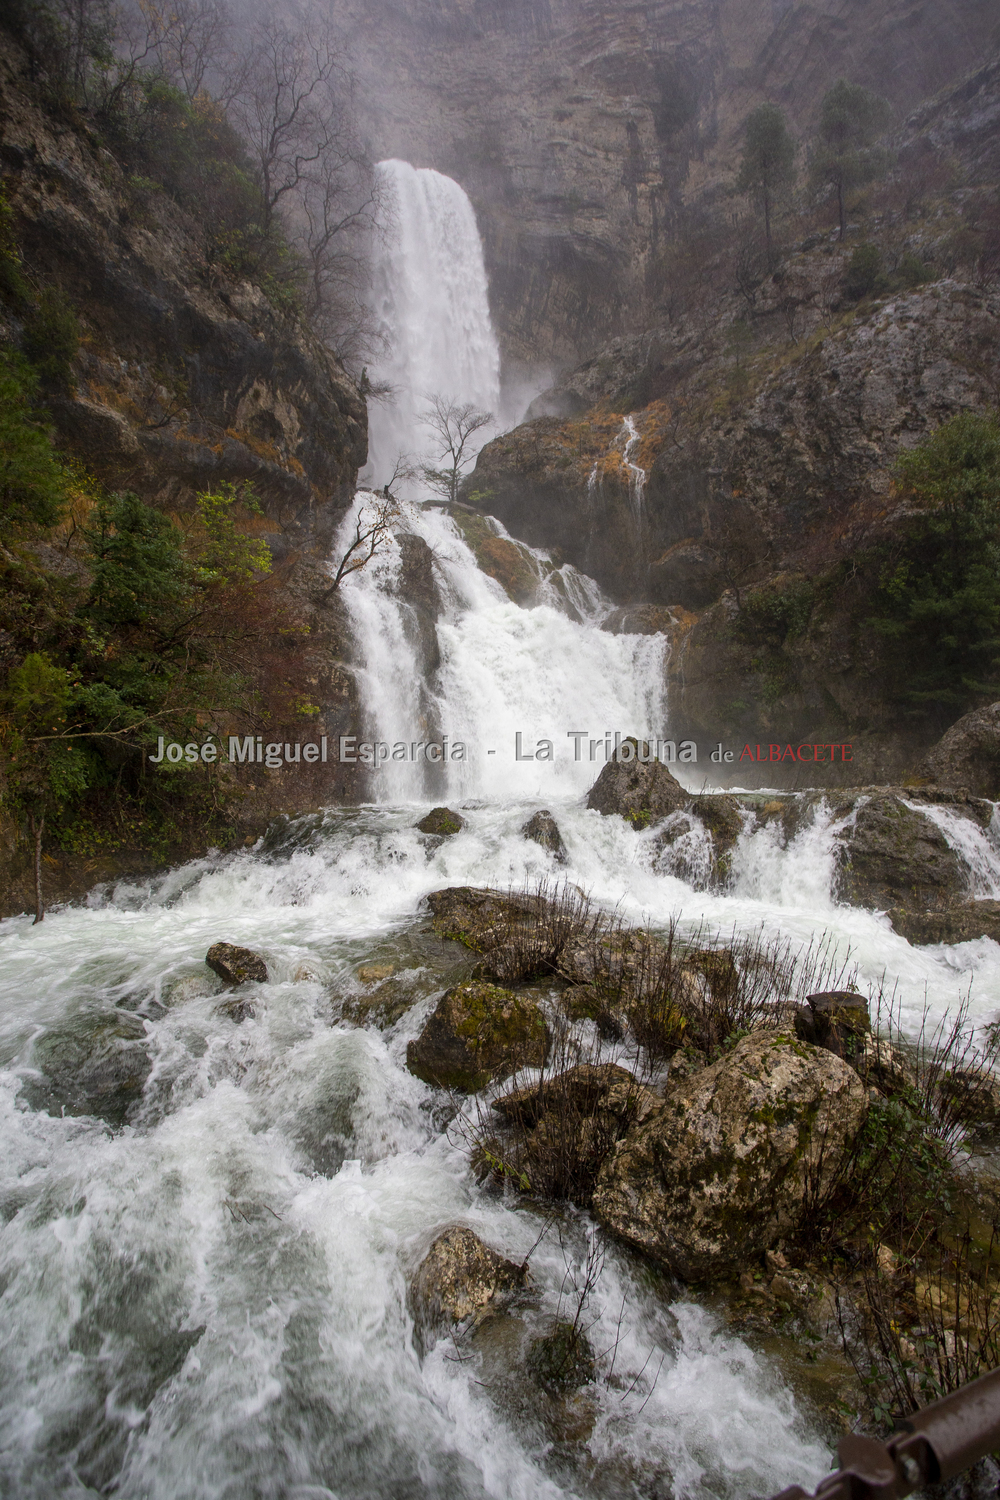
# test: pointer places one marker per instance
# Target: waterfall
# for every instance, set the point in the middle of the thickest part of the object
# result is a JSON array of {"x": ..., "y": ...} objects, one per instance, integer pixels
[
  {"x": 505, "y": 670},
  {"x": 431, "y": 303},
  {"x": 211, "y": 1298}
]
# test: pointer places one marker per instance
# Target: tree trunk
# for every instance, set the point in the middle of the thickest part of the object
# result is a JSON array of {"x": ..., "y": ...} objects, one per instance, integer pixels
[
  {"x": 37, "y": 830},
  {"x": 840, "y": 208}
]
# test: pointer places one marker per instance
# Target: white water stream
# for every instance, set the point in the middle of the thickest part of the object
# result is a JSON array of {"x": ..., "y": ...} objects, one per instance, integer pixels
[{"x": 210, "y": 1300}]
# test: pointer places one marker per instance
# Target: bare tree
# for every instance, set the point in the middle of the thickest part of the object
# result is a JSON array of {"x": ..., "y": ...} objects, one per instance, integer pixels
[
  {"x": 454, "y": 425},
  {"x": 738, "y": 539},
  {"x": 285, "y": 101},
  {"x": 189, "y": 50},
  {"x": 372, "y": 534}
]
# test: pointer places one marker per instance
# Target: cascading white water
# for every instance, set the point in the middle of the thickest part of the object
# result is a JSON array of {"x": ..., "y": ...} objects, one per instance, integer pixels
[
  {"x": 504, "y": 671},
  {"x": 431, "y": 302},
  {"x": 211, "y": 1299}
]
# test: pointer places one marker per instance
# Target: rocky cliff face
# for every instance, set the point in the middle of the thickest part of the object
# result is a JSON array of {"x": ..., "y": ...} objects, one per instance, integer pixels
[
  {"x": 184, "y": 379},
  {"x": 581, "y": 130}
]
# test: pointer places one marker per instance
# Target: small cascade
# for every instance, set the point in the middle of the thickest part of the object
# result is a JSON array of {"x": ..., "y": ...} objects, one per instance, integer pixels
[
  {"x": 978, "y": 850},
  {"x": 637, "y": 475}
]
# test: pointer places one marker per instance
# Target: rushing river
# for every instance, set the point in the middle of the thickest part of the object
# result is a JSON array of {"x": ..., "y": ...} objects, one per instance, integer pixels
[{"x": 210, "y": 1224}]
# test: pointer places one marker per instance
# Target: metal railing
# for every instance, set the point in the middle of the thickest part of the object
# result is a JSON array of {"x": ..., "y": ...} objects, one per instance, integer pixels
[{"x": 935, "y": 1443}]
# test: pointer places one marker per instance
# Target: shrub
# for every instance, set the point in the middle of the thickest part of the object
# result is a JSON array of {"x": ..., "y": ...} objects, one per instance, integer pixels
[
  {"x": 32, "y": 481},
  {"x": 865, "y": 274},
  {"x": 939, "y": 585},
  {"x": 52, "y": 338}
]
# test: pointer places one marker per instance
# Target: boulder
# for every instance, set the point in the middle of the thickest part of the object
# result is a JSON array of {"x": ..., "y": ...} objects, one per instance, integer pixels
[
  {"x": 518, "y": 934},
  {"x": 837, "y": 1020},
  {"x": 640, "y": 792},
  {"x": 733, "y": 1161},
  {"x": 236, "y": 965},
  {"x": 91, "y": 1065},
  {"x": 971, "y": 1096},
  {"x": 477, "y": 1032},
  {"x": 457, "y": 1278},
  {"x": 955, "y": 924},
  {"x": 895, "y": 856},
  {"x": 562, "y": 1357},
  {"x": 564, "y": 1126},
  {"x": 587, "y": 1088},
  {"x": 968, "y": 754},
  {"x": 543, "y": 829},
  {"x": 442, "y": 821}
]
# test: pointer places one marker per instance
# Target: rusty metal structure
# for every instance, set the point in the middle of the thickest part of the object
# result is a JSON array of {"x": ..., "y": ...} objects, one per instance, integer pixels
[{"x": 935, "y": 1443}]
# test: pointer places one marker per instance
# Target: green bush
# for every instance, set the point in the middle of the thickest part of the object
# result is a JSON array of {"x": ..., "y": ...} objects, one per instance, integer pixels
[
  {"x": 52, "y": 338},
  {"x": 939, "y": 584},
  {"x": 32, "y": 481},
  {"x": 865, "y": 274}
]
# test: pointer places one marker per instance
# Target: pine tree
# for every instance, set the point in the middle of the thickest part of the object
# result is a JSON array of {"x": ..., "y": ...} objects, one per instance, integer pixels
[
  {"x": 850, "y": 121},
  {"x": 768, "y": 160}
]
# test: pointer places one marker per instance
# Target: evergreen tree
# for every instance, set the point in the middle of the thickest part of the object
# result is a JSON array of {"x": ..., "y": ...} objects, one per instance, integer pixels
[
  {"x": 768, "y": 160},
  {"x": 939, "y": 590},
  {"x": 850, "y": 121}
]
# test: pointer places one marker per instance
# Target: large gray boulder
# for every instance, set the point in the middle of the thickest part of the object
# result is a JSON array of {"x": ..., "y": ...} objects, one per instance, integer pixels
[
  {"x": 968, "y": 754},
  {"x": 732, "y": 1162},
  {"x": 640, "y": 792},
  {"x": 896, "y": 856}
]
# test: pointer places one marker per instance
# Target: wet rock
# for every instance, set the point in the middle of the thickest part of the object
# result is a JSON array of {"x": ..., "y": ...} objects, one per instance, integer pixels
[
  {"x": 895, "y": 856},
  {"x": 458, "y": 1278},
  {"x": 955, "y": 924},
  {"x": 543, "y": 829},
  {"x": 728, "y": 1167},
  {"x": 517, "y": 934},
  {"x": 92, "y": 1065},
  {"x": 836, "y": 1020},
  {"x": 641, "y": 793},
  {"x": 722, "y": 816},
  {"x": 588, "y": 1088},
  {"x": 562, "y": 1357},
  {"x": 418, "y": 588},
  {"x": 971, "y": 1096},
  {"x": 478, "y": 1032},
  {"x": 565, "y": 1126},
  {"x": 441, "y": 821},
  {"x": 236, "y": 965},
  {"x": 968, "y": 754}
]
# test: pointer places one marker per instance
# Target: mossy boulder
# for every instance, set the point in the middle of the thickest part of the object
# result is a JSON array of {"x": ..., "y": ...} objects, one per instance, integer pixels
[
  {"x": 562, "y": 1357},
  {"x": 955, "y": 924},
  {"x": 894, "y": 855},
  {"x": 478, "y": 1032},
  {"x": 441, "y": 821},
  {"x": 518, "y": 934},
  {"x": 733, "y": 1161},
  {"x": 561, "y": 1129},
  {"x": 458, "y": 1278}
]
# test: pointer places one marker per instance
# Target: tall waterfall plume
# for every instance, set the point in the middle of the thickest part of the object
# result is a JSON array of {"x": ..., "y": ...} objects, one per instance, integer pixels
[{"x": 430, "y": 298}]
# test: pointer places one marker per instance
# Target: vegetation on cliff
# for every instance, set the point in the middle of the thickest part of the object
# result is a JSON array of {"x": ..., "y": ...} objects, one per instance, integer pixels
[{"x": 155, "y": 530}]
